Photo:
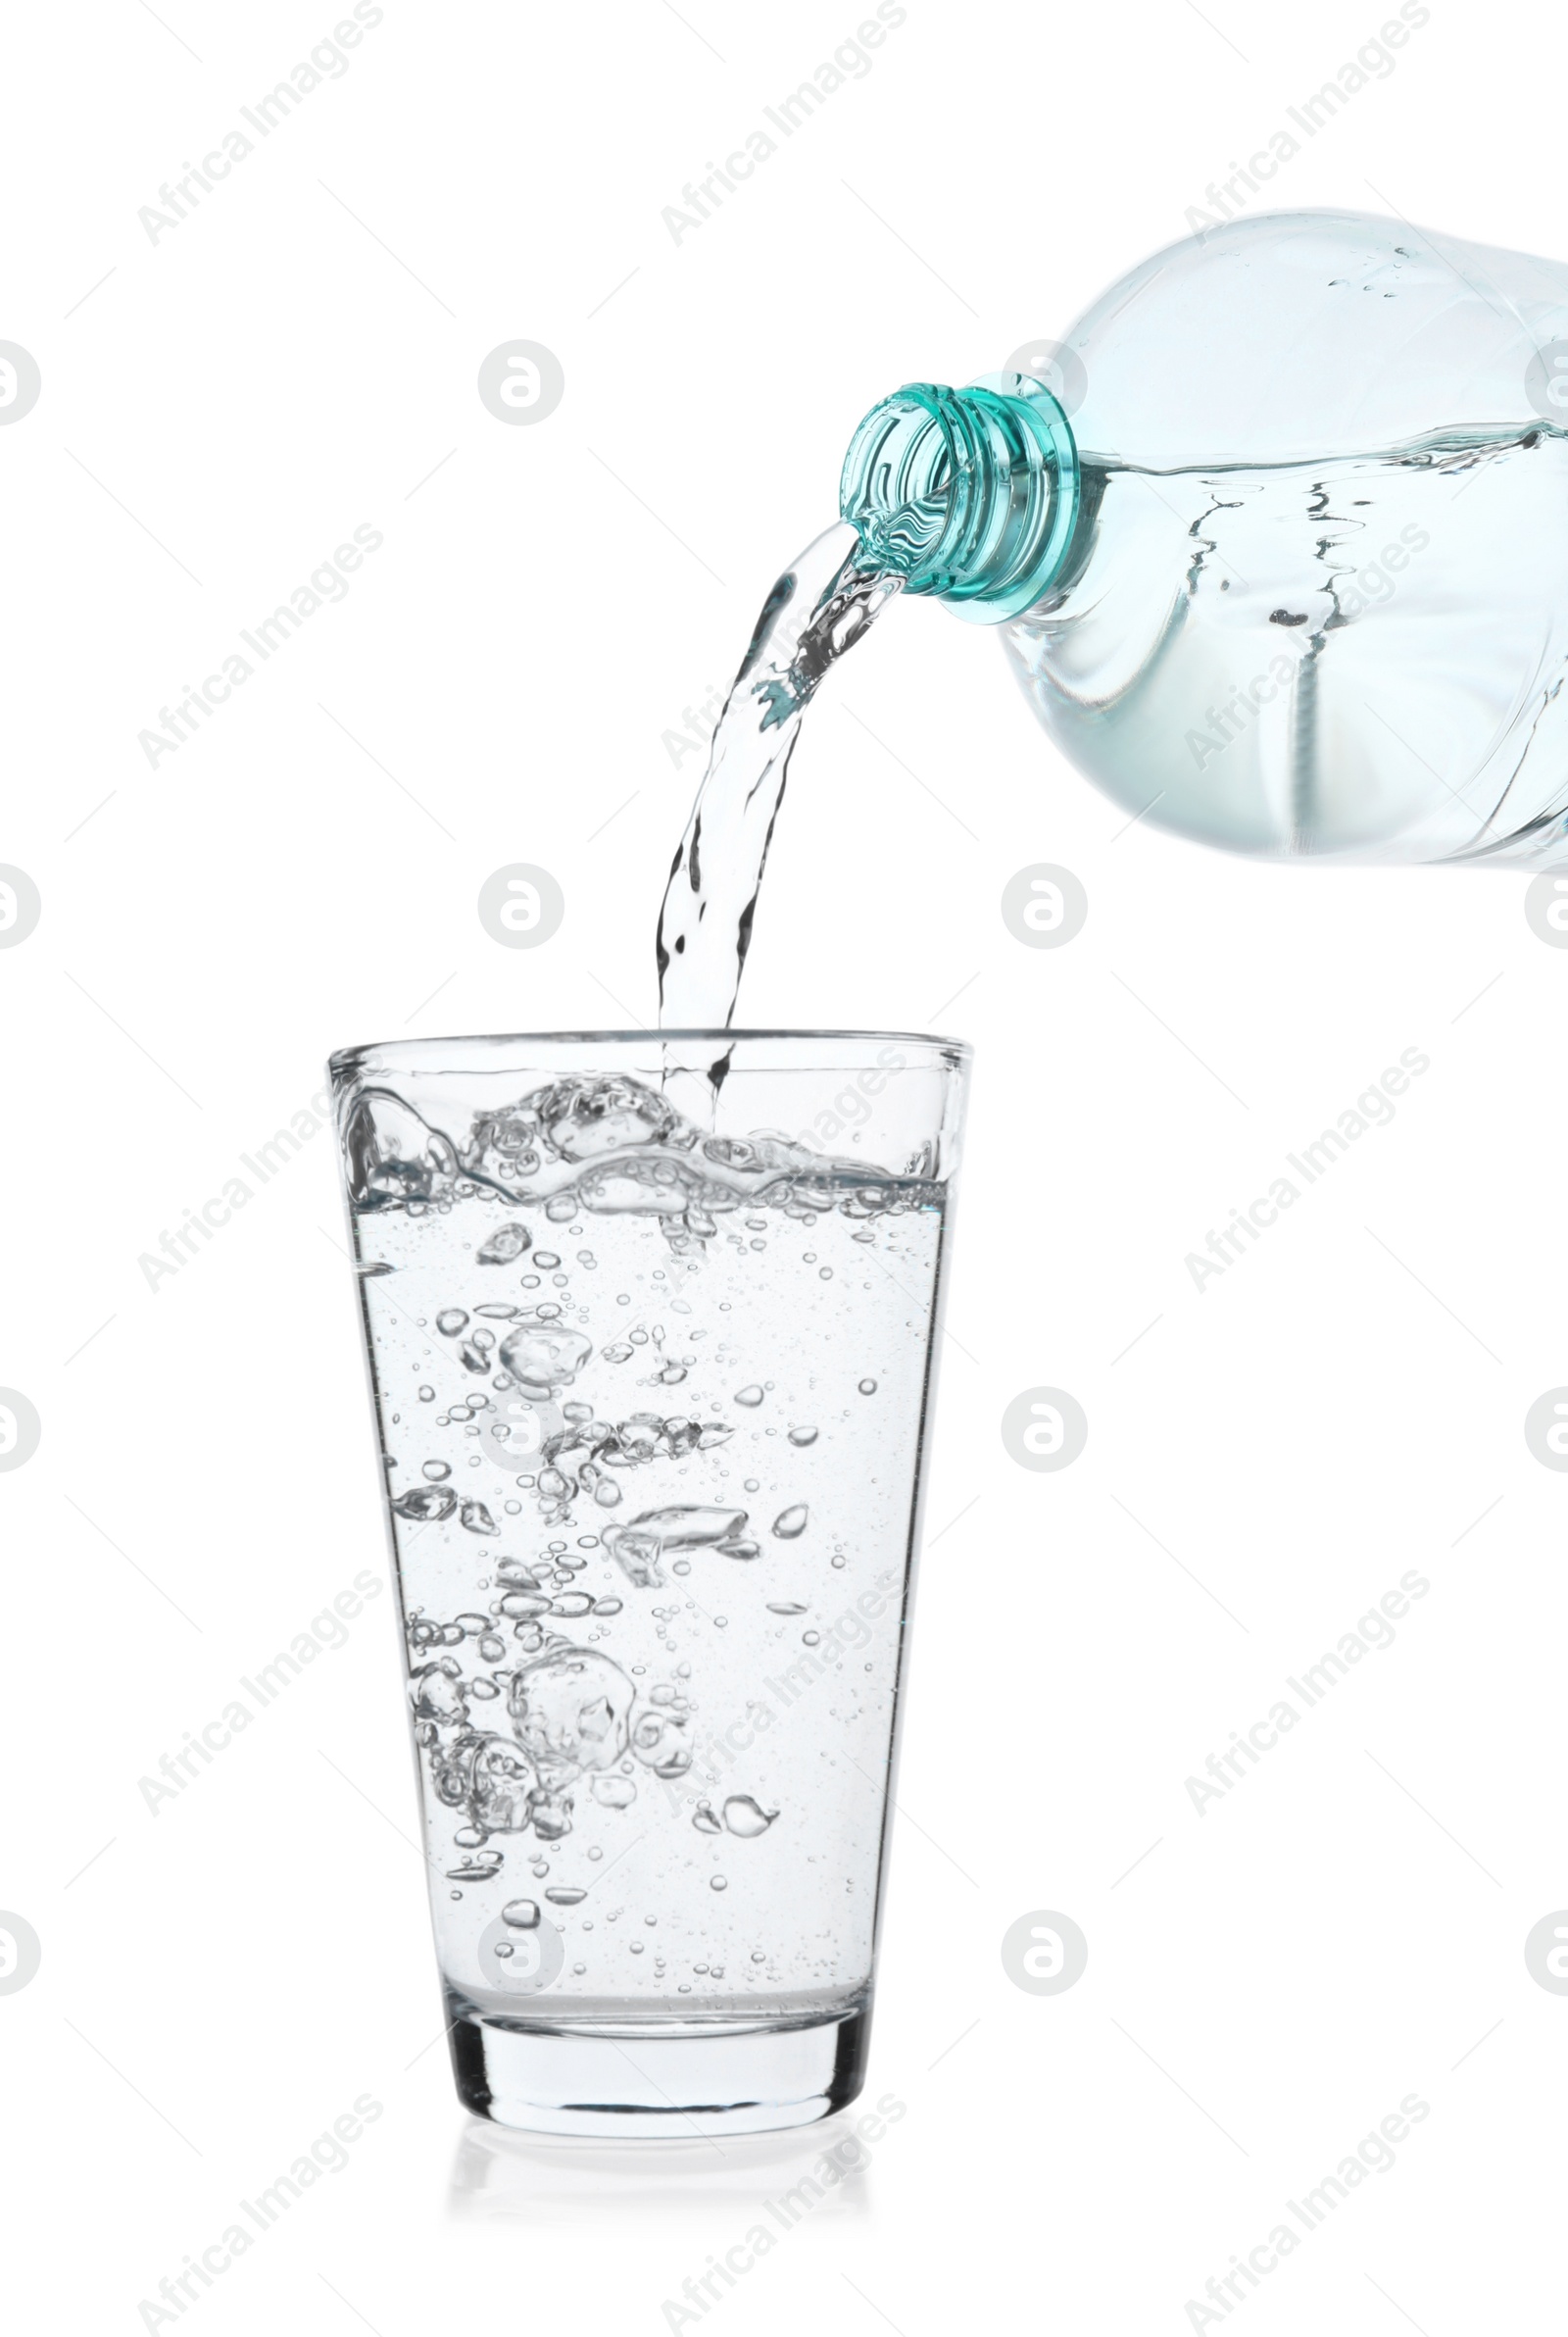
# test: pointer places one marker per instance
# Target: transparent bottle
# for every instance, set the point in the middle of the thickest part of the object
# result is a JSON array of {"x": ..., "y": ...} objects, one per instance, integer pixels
[{"x": 1277, "y": 538}]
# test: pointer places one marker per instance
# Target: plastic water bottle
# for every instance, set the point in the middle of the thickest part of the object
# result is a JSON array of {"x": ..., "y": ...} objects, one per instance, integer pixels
[{"x": 1277, "y": 538}]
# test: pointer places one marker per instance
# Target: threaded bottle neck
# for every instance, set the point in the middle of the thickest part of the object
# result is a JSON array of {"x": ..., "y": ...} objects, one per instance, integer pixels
[{"x": 971, "y": 494}]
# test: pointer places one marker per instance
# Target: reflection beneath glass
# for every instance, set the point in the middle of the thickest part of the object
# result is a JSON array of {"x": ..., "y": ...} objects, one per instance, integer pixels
[{"x": 777, "y": 2180}]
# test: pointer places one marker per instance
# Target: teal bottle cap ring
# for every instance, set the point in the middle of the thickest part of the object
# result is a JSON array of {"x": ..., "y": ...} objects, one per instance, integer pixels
[{"x": 970, "y": 495}]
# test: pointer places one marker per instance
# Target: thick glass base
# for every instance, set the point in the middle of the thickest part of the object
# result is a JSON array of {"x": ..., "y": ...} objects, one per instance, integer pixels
[{"x": 632, "y": 2079}]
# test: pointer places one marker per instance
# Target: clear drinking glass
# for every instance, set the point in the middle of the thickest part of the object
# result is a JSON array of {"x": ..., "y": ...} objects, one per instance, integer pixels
[{"x": 650, "y": 1321}]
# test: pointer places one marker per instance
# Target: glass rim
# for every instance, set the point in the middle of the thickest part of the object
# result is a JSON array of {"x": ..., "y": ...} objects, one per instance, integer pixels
[{"x": 344, "y": 1061}]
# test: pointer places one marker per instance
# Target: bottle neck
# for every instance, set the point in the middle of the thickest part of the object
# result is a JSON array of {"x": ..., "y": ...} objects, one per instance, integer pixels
[{"x": 971, "y": 494}]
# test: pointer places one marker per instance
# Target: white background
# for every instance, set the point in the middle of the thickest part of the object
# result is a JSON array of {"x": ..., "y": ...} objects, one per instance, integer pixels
[{"x": 219, "y": 411}]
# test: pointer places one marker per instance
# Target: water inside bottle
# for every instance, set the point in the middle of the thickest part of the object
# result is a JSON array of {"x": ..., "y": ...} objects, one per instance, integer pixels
[{"x": 1357, "y": 658}]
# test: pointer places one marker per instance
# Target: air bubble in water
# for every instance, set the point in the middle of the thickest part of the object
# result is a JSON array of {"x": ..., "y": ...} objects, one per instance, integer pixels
[
  {"x": 785, "y": 1607},
  {"x": 750, "y": 1397},
  {"x": 803, "y": 1435},
  {"x": 541, "y": 1354},
  {"x": 426, "y": 1501},
  {"x": 477, "y": 1869},
  {"x": 569, "y": 1708},
  {"x": 790, "y": 1523},
  {"x": 613, "y": 1792},
  {"x": 704, "y": 1820},
  {"x": 869, "y": 1387},
  {"x": 688, "y": 1525},
  {"x": 746, "y": 1817},
  {"x": 636, "y": 1554},
  {"x": 522, "y": 1914},
  {"x": 552, "y": 1816},
  {"x": 659, "y": 1740},
  {"x": 561, "y": 1895},
  {"x": 451, "y": 1321},
  {"x": 506, "y": 1244},
  {"x": 477, "y": 1518}
]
